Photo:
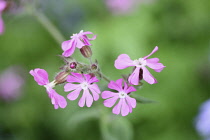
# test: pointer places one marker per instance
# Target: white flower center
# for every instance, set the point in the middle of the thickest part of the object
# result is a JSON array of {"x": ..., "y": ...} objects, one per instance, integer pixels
[
  {"x": 51, "y": 84},
  {"x": 76, "y": 35},
  {"x": 141, "y": 62},
  {"x": 122, "y": 94},
  {"x": 81, "y": 31},
  {"x": 84, "y": 85}
]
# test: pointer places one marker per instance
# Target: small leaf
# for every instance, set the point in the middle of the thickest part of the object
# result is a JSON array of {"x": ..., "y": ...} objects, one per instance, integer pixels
[
  {"x": 81, "y": 116},
  {"x": 116, "y": 128},
  {"x": 142, "y": 100}
]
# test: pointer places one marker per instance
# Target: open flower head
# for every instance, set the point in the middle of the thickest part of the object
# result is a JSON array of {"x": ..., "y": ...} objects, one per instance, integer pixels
[
  {"x": 123, "y": 61},
  {"x": 120, "y": 6},
  {"x": 77, "y": 40},
  {"x": 125, "y": 103},
  {"x": 203, "y": 120},
  {"x": 3, "y": 5},
  {"x": 85, "y": 84},
  {"x": 11, "y": 83},
  {"x": 41, "y": 77}
]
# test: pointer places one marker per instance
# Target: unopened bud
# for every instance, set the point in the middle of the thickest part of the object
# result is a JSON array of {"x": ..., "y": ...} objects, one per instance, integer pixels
[
  {"x": 61, "y": 77},
  {"x": 92, "y": 75},
  {"x": 73, "y": 65},
  {"x": 86, "y": 51},
  {"x": 94, "y": 67}
]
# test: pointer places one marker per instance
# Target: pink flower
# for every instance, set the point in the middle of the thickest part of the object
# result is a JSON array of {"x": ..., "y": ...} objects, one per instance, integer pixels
[
  {"x": 125, "y": 104},
  {"x": 203, "y": 120},
  {"x": 3, "y": 5},
  {"x": 86, "y": 84},
  {"x": 123, "y": 61},
  {"x": 41, "y": 77},
  {"x": 77, "y": 40},
  {"x": 11, "y": 83},
  {"x": 120, "y": 6}
]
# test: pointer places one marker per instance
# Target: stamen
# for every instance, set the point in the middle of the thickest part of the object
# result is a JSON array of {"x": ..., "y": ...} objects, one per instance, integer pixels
[{"x": 122, "y": 94}]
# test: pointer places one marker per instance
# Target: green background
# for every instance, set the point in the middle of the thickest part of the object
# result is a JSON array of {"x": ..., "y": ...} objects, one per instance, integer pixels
[{"x": 180, "y": 28}]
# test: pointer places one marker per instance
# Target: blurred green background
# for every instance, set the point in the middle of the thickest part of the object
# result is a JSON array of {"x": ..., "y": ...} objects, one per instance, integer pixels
[{"x": 180, "y": 28}]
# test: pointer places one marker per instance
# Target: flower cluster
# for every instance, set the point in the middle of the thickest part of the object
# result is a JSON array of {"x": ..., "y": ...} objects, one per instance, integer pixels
[{"x": 79, "y": 77}]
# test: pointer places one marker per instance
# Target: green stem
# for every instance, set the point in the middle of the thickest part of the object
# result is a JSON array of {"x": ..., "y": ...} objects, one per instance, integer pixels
[
  {"x": 56, "y": 34},
  {"x": 105, "y": 78},
  {"x": 90, "y": 60}
]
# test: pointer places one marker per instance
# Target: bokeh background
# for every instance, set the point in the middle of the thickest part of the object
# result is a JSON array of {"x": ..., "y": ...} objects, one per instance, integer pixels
[{"x": 180, "y": 28}]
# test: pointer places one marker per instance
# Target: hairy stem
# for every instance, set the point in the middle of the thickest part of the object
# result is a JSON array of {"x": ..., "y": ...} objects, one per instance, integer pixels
[
  {"x": 104, "y": 77},
  {"x": 48, "y": 25},
  {"x": 90, "y": 60}
]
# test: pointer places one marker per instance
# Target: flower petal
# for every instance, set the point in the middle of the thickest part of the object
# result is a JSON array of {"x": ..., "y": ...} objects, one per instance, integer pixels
[
  {"x": 1, "y": 25},
  {"x": 116, "y": 85},
  {"x": 69, "y": 52},
  {"x": 84, "y": 34},
  {"x": 154, "y": 50},
  {"x": 40, "y": 76},
  {"x": 74, "y": 94},
  {"x": 123, "y": 61},
  {"x": 147, "y": 76},
  {"x": 86, "y": 41},
  {"x": 82, "y": 100},
  {"x": 92, "y": 38},
  {"x": 56, "y": 106},
  {"x": 61, "y": 101},
  {"x": 75, "y": 77},
  {"x": 108, "y": 94},
  {"x": 95, "y": 91},
  {"x": 90, "y": 79},
  {"x": 3, "y": 5},
  {"x": 111, "y": 101},
  {"x": 56, "y": 99},
  {"x": 131, "y": 101},
  {"x": 129, "y": 89},
  {"x": 87, "y": 77},
  {"x": 124, "y": 108},
  {"x": 158, "y": 67},
  {"x": 152, "y": 60},
  {"x": 69, "y": 87},
  {"x": 117, "y": 108},
  {"x": 79, "y": 43},
  {"x": 88, "y": 98},
  {"x": 66, "y": 45},
  {"x": 119, "y": 83},
  {"x": 134, "y": 77}
]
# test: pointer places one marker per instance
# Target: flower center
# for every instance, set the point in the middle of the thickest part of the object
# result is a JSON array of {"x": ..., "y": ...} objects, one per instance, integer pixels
[
  {"x": 77, "y": 35},
  {"x": 139, "y": 62},
  {"x": 84, "y": 85},
  {"x": 122, "y": 94},
  {"x": 74, "y": 36},
  {"x": 51, "y": 84}
]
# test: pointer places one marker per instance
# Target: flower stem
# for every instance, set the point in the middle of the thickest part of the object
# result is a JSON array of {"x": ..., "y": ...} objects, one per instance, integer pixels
[
  {"x": 104, "y": 77},
  {"x": 56, "y": 34},
  {"x": 90, "y": 60}
]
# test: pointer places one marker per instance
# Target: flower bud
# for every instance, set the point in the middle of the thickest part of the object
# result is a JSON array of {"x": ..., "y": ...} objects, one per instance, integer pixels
[
  {"x": 73, "y": 65},
  {"x": 92, "y": 75},
  {"x": 61, "y": 77},
  {"x": 86, "y": 51},
  {"x": 94, "y": 67}
]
